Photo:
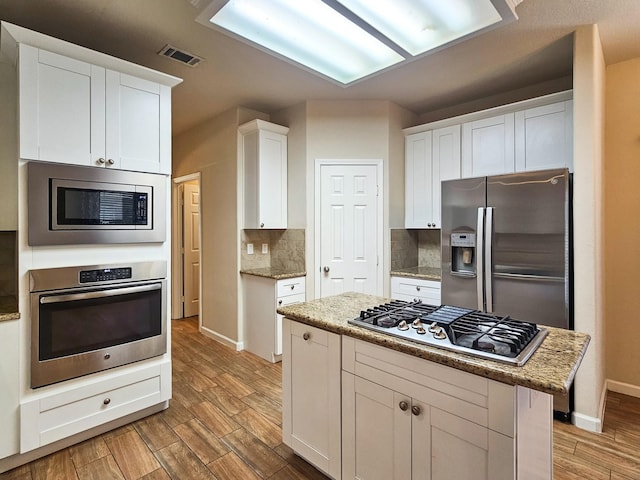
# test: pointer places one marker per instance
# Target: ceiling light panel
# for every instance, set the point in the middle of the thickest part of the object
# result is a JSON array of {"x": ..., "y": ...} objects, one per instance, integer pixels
[
  {"x": 421, "y": 25},
  {"x": 310, "y": 33}
]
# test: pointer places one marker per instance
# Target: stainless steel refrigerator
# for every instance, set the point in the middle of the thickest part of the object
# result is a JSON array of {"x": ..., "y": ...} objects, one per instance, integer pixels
[{"x": 506, "y": 247}]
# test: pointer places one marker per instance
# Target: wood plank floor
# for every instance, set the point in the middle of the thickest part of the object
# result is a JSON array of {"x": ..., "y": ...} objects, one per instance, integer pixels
[{"x": 224, "y": 423}]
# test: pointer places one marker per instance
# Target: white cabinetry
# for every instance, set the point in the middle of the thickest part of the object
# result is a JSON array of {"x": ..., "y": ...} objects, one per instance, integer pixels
[
  {"x": 75, "y": 112},
  {"x": 488, "y": 146},
  {"x": 407, "y": 418},
  {"x": 311, "y": 420},
  {"x": 262, "y": 325},
  {"x": 544, "y": 137},
  {"x": 409, "y": 289},
  {"x": 264, "y": 153},
  {"x": 431, "y": 157},
  {"x": 64, "y": 411}
]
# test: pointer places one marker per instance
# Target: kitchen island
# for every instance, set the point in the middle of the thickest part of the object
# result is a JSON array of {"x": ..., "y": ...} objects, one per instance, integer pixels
[{"x": 357, "y": 403}]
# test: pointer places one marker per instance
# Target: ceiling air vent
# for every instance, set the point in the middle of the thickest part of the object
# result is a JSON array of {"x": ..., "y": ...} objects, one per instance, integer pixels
[{"x": 180, "y": 56}]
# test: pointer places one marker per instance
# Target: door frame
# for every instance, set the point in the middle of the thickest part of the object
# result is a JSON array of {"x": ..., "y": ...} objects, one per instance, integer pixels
[
  {"x": 319, "y": 163},
  {"x": 177, "y": 225}
]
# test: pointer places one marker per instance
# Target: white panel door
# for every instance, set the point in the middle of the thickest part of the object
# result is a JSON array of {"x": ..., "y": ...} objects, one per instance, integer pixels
[
  {"x": 191, "y": 244},
  {"x": 348, "y": 234}
]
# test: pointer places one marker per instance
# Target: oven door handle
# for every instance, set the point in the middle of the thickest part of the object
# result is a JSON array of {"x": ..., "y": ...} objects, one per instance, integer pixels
[{"x": 98, "y": 294}]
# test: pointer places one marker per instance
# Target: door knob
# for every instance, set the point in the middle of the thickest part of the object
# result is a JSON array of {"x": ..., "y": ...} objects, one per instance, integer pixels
[{"x": 325, "y": 269}]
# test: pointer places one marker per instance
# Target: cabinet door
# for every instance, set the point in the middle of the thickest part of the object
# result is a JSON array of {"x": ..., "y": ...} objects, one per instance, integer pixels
[
  {"x": 418, "y": 181},
  {"x": 376, "y": 431},
  {"x": 544, "y": 137},
  {"x": 137, "y": 124},
  {"x": 311, "y": 395},
  {"x": 446, "y": 164},
  {"x": 272, "y": 180},
  {"x": 446, "y": 446},
  {"x": 488, "y": 146},
  {"x": 61, "y": 108},
  {"x": 283, "y": 302}
]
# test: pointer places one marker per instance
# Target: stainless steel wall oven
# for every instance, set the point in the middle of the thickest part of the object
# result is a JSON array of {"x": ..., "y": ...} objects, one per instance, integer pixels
[
  {"x": 91, "y": 318},
  {"x": 71, "y": 204}
]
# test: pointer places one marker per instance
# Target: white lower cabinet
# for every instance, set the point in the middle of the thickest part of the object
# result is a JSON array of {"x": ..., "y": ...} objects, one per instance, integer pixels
[
  {"x": 262, "y": 325},
  {"x": 311, "y": 395},
  {"x": 410, "y": 289},
  {"x": 64, "y": 412}
]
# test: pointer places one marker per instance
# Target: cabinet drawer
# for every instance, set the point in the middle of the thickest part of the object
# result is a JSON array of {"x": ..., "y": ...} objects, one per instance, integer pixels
[
  {"x": 57, "y": 416},
  {"x": 409, "y": 289},
  {"x": 290, "y": 286}
]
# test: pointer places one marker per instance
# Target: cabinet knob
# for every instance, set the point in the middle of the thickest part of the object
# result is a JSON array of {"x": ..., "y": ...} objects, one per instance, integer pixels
[
  {"x": 306, "y": 335},
  {"x": 417, "y": 287},
  {"x": 292, "y": 287},
  {"x": 416, "y": 410},
  {"x": 326, "y": 269},
  {"x": 428, "y": 224},
  {"x": 111, "y": 161},
  {"x": 279, "y": 302},
  {"x": 403, "y": 405},
  {"x": 262, "y": 225},
  {"x": 107, "y": 356},
  {"x": 101, "y": 161},
  {"x": 106, "y": 401}
]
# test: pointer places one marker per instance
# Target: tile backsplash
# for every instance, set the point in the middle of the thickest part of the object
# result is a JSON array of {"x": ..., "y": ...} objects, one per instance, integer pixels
[
  {"x": 286, "y": 249},
  {"x": 8, "y": 264},
  {"x": 415, "y": 248}
]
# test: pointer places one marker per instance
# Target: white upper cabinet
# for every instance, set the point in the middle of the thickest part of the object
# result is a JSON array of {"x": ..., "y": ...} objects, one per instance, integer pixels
[
  {"x": 488, "y": 146},
  {"x": 544, "y": 137},
  {"x": 78, "y": 113},
  {"x": 264, "y": 154},
  {"x": 430, "y": 157}
]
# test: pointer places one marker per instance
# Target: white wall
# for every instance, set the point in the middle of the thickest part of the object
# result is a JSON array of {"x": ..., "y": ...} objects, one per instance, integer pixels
[{"x": 588, "y": 98}]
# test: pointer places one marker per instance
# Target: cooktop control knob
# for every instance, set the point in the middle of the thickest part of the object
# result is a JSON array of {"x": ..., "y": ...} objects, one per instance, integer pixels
[
  {"x": 403, "y": 325},
  {"x": 439, "y": 334},
  {"x": 420, "y": 331},
  {"x": 417, "y": 323}
]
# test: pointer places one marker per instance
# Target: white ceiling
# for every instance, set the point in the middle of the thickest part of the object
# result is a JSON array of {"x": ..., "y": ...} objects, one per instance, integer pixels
[{"x": 536, "y": 48}]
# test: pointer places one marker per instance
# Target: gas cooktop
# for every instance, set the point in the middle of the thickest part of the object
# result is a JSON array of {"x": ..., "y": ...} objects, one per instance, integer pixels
[{"x": 463, "y": 330}]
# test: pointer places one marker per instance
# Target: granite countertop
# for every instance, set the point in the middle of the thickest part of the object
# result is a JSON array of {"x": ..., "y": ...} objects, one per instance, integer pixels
[
  {"x": 8, "y": 308},
  {"x": 275, "y": 273},
  {"x": 423, "y": 273},
  {"x": 550, "y": 369}
]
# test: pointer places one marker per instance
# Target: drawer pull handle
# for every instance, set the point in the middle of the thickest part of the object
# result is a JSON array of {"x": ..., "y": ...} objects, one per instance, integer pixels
[
  {"x": 417, "y": 288},
  {"x": 403, "y": 405},
  {"x": 292, "y": 287},
  {"x": 306, "y": 336},
  {"x": 415, "y": 410},
  {"x": 106, "y": 401}
]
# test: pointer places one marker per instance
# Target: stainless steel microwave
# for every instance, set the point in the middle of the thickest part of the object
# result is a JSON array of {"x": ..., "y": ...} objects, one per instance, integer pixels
[{"x": 69, "y": 204}]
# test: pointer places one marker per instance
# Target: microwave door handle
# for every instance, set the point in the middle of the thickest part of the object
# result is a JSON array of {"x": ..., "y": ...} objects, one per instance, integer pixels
[
  {"x": 488, "y": 269},
  {"x": 480, "y": 258},
  {"x": 98, "y": 294}
]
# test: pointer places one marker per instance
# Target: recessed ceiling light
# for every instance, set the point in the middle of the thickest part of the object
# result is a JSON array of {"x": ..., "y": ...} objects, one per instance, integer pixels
[{"x": 347, "y": 40}]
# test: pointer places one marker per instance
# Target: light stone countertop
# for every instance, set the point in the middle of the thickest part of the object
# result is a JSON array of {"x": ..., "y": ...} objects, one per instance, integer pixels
[
  {"x": 275, "y": 273},
  {"x": 8, "y": 308},
  {"x": 550, "y": 369},
  {"x": 423, "y": 273}
]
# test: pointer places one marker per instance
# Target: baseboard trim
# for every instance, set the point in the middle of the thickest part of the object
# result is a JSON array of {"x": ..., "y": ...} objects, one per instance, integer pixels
[
  {"x": 237, "y": 346},
  {"x": 585, "y": 422},
  {"x": 624, "y": 388}
]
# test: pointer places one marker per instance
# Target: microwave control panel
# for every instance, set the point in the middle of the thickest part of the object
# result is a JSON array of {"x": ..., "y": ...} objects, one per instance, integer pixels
[{"x": 104, "y": 274}]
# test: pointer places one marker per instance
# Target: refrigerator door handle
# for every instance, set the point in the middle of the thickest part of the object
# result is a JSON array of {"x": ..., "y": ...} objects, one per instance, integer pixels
[
  {"x": 488, "y": 247},
  {"x": 480, "y": 259}
]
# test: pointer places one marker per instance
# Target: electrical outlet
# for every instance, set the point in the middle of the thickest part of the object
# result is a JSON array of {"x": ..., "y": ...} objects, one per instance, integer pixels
[
  {"x": 265, "y": 248},
  {"x": 249, "y": 248}
]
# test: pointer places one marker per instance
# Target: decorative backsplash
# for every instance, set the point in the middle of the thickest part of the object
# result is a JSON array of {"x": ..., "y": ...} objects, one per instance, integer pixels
[
  {"x": 415, "y": 248},
  {"x": 8, "y": 264},
  {"x": 286, "y": 249}
]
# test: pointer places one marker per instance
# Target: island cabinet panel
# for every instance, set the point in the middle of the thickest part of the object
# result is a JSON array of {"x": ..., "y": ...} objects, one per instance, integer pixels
[{"x": 311, "y": 395}]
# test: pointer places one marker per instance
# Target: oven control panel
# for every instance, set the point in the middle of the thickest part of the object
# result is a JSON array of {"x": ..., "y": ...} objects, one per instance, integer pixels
[{"x": 104, "y": 274}]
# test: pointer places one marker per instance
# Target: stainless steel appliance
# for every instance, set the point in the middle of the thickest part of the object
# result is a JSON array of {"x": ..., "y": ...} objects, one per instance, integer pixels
[
  {"x": 69, "y": 204},
  {"x": 506, "y": 247},
  {"x": 88, "y": 319},
  {"x": 457, "y": 329}
]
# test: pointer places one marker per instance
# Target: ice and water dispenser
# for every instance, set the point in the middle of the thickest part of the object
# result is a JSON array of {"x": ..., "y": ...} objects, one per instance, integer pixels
[{"x": 463, "y": 253}]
